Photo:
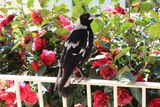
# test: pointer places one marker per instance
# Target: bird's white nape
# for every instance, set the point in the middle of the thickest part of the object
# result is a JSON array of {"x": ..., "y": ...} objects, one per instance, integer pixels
[{"x": 79, "y": 25}]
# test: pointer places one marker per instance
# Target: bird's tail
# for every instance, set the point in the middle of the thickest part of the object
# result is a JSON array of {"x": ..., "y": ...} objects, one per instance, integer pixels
[{"x": 63, "y": 85}]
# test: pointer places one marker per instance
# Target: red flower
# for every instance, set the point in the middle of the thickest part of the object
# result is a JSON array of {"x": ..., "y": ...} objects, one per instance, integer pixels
[
  {"x": 108, "y": 72},
  {"x": 76, "y": 72},
  {"x": 36, "y": 16},
  {"x": 124, "y": 97},
  {"x": 35, "y": 65},
  {"x": 115, "y": 53},
  {"x": 100, "y": 99},
  {"x": 8, "y": 19},
  {"x": 31, "y": 98},
  {"x": 154, "y": 102},
  {"x": 27, "y": 39},
  {"x": 115, "y": 10},
  {"x": 64, "y": 21},
  {"x": 139, "y": 78},
  {"x": 78, "y": 105},
  {"x": 156, "y": 52},
  {"x": 101, "y": 62},
  {"x": 120, "y": 10},
  {"x": 9, "y": 97},
  {"x": 39, "y": 43},
  {"x": 132, "y": 20},
  {"x": 24, "y": 89},
  {"x": 47, "y": 57}
]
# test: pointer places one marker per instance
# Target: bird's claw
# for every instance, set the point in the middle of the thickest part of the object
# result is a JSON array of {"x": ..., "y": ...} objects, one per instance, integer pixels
[{"x": 79, "y": 79}]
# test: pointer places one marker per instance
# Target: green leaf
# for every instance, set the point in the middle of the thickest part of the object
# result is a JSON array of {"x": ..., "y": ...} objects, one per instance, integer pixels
[
  {"x": 9, "y": 3},
  {"x": 122, "y": 70},
  {"x": 61, "y": 9},
  {"x": 154, "y": 30},
  {"x": 93, "y": 9},
  {"x": 77, "y": 11},
  {"x": 126, "y": 26},
  {"x": 158, "y": 1},
  {"x": 154, "y": 15},
  {"x": 30, "y": 3},
  {"x": 103, "y": 66},
  {"x": 101, "y": 1},
  {"x": 123, "y": 52},
  {"x": 127, "y": 77},
  {"x": 48, "y": 35},
  {"x": 19, "y": 1},
  {"x": 137, "y": 94},
  {"x": 15, "y": 46},
  {"x": 82, "y": 2},
  {"x": 4, "y": 10},
  {"x": 145, "y": 6},
  {"x": 41, "y": 70},
  {"x": 44, "y": 3},
  {"x": 61, "y": 31},
  {"x": 97, "y": 25}
]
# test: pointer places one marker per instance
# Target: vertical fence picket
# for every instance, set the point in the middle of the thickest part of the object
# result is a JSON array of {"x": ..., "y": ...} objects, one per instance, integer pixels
[
  {"x": 143, "y": 97},
  {"x": 89, "y": 99},
  {"x": 18, "y": 93},
  {"x": 64, "y": 100},
  {"x": 40, "y": 95},
  {"x": 115, "y": 96}
]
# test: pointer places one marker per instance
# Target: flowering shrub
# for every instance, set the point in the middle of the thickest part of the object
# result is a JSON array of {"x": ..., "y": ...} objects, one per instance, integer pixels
[{"x": 126, "y": 49}]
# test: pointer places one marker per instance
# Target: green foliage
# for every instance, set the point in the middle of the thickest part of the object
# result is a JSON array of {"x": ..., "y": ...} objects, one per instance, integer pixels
[{"x": 30, "y": 3}]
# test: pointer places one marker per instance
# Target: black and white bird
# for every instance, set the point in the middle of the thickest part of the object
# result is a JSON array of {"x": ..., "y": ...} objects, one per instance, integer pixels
[{"x": 77, "y": 49}]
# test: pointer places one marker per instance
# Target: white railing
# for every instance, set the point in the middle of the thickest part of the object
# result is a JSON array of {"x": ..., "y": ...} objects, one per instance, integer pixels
[{"x": 88, "y": 83}]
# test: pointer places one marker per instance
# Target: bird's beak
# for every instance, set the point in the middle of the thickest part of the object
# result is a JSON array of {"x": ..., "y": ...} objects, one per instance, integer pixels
[{"x": 93, "y": 16}]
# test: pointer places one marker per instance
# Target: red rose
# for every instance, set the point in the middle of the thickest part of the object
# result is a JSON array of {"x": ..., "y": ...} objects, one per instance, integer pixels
[
  {"x": 100, "y": 99},
  {"x": 108, "y": 72},
  {"x": 8, "y": 19},
  {"x": 64, "y": 21},
  {"x": 39, "y": 43},
  {"x": 47, "y": 57},
  {"x": 115, "y": 10},
  {"x": 27, "y": 39},
  {"x": 24, "y": 89},
  {"x": 31, "y": 98},
  {"x": 78, "y": 105},
  {"x": 154, "y": 102},
  {"x": 9, "y": 97},
  {"x": 36, "y": 16},
  {"x": 101, "y": 62},
  {"x": 124, "y": 97},
  {"x": 35, "y": 65},
  {"x": 120, "y": 10}
]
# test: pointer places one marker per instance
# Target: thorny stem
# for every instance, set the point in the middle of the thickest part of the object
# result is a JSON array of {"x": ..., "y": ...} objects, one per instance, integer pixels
[{"x": 149, "y": 57}]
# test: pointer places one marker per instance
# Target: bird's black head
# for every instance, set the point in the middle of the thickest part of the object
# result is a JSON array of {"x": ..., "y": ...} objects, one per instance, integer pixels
[{"x": 86, "y": 19}]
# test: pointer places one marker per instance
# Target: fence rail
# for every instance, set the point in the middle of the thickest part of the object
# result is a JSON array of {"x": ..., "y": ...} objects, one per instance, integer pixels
[{"x": 89, "y": 83}]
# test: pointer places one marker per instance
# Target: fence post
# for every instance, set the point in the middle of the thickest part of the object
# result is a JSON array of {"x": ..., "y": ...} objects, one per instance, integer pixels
[
  {"x": 143, "y": 96},
  {"x": 89, "y": 99},
  {"x": 115, "y": 96},
  {"x": 40, "y": 95},
  {"x": 18, "y": 94}
]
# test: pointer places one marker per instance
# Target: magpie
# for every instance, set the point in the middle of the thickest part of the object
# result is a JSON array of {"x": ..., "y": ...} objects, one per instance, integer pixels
[{"x": 77, "y": 50}]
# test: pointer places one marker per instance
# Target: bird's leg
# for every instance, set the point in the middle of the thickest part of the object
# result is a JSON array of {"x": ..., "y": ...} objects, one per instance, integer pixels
[{"x": 79, "y": 79}]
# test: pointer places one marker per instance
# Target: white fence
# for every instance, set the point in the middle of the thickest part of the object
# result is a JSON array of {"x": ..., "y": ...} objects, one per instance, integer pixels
[{"x": 89, "y": 83}]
